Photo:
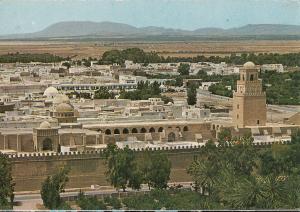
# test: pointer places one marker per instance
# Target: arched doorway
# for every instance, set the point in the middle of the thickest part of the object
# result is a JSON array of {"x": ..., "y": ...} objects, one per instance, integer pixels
[
  {"x": 107, "y": 132},
  {"x": 171, "y": 137},
  {"x": 125, "y": 131},
  {"x": 47, "y": 144},
  {"x": 116, "y": 131}
]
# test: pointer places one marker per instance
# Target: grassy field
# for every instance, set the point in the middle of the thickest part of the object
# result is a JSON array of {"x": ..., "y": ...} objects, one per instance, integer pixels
[{"x": 178, "y": 49}]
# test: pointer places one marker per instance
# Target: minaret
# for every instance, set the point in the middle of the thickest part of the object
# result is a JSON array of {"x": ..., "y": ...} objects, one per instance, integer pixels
[{"x": 249, "y": 100}]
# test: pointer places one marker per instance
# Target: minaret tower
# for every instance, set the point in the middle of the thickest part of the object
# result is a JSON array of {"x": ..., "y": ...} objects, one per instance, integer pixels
[{"x": 249, "y": 100}]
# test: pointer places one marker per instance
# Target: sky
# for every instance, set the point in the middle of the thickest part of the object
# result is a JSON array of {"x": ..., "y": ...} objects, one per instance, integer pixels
[{"x": 23, "y": 16}]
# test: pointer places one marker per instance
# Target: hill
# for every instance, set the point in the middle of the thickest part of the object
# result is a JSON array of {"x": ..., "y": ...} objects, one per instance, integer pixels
[{"x": 84, "y": 29}]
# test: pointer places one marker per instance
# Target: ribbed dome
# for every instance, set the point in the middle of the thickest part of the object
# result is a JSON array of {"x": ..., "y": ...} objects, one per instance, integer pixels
[
  {"x": 45, "y": 125},
  {"x": 50, "y": 91},
  {"x": 61, "y": 98},
  {"x": 64, "y": 107},
  {"x": 249, "y": 65}
]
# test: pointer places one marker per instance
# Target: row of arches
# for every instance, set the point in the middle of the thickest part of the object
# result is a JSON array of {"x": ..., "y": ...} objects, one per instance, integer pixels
[{"x": 135, "y": 130}]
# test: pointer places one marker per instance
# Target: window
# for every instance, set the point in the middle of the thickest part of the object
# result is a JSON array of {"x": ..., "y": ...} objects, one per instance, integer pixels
[
  {"x": 237, "y": 116},
  {"x": 238, "y": 106},
  {"x": 257, "y": 121},
  {"x": 251, "y": 77}
]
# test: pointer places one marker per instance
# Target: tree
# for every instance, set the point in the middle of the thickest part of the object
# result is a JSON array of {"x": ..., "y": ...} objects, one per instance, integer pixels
[
  {"x": 6, "y": 183},
  {"x": 184, "y": 69},
  {"x": 224, "y": 135},
  {"x": 156, "y": 168},
  {"x": 122, "y": 168},
  {"x": 205, "y": 174},
  {"x": 66, "y": 64},
  {"x": 86, "y": 63},
  {"x": 192, "y": 94},
  {"x": 144, "y": 91},
  {"x": 102, "y": 93},
  {"x": 52, "y": 187},
  {"x": 250, "y": 192},
  {"x": 89, "y": 203},
  {"x": 27, "y": 58}
]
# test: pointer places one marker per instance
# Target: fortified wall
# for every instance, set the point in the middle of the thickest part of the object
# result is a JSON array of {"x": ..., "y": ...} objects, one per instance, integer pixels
[{"x": 88, "y": 168}]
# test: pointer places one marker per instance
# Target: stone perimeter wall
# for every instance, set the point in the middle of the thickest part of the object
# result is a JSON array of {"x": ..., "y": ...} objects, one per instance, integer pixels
[{"x": 88, "y": 168}]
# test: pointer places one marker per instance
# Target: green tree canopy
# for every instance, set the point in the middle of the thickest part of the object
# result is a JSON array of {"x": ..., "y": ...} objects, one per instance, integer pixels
[
  {"x": 103, "y": 93},
  {"x": 52, "y": 187},
  {"x": 156, "y": 168},
  {"x": 122, "y": 168},
  {"x": 192, "y": 94},
  {"x": 6, "y": 183},
  {"x": 184, "y": 69},
  {"x": 241, "y": 176}
]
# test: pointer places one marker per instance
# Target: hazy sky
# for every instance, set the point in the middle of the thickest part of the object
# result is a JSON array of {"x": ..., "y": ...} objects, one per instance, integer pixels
[{"x": 19, "y": 16}]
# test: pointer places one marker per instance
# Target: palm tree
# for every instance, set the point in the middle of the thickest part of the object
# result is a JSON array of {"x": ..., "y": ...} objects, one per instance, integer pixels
[
  {"x": 204, "y": 174},
  {"x": 274, "y": 191},
  {"x": 245, "y": 193}
]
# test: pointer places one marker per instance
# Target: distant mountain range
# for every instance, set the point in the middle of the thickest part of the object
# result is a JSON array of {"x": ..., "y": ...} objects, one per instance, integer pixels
[{"x": 82, "y": 29}]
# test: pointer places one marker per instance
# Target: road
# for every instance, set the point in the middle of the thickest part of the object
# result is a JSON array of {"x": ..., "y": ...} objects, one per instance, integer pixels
[{"x": 29, "y": 201}]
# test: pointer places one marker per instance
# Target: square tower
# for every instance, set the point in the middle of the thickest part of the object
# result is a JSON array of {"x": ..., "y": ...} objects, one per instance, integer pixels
[{"x": 249, "y": 100}]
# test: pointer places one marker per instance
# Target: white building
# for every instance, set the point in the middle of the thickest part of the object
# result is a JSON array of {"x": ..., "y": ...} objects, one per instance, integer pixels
[{"x": 272, "y": 67}]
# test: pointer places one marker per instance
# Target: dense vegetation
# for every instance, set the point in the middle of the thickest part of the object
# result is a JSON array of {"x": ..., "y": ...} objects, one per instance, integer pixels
[
  {"x": 6, "y": 184},
  {"x": 139, "y": 56},
  {"x": 103, "y": 93},
  {"x": 184, "y": 69},
  {"x": 144, "y": 91},
  {"x": 27, "y": 58},
  {"x": 125, "y": 169},
  {"x": 244, "y": 177},
  {"x": 284, "y": 88},
  {"x": 134, "y": 54}
]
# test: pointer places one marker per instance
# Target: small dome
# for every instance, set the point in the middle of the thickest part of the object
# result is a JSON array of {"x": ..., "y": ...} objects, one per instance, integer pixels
[
  {"x": 249, "y": 65},
  {"x": 50, "y": 92},
  {"x": 61, "y": 98},
  {"x": 64, "y": 107},
  {"x": 45, "y": 125}
]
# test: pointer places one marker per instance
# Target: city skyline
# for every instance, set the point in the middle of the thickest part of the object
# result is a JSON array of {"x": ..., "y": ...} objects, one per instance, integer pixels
[{"x": 33, "y": 15}]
